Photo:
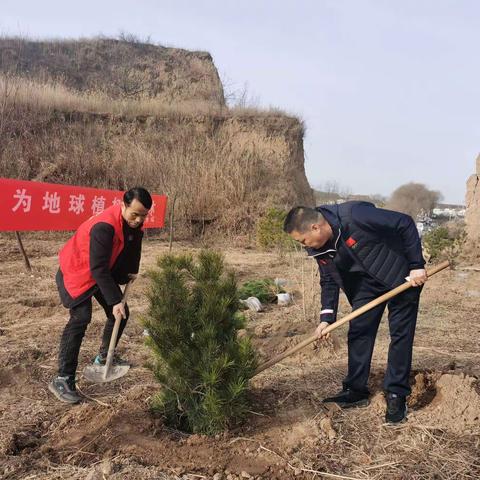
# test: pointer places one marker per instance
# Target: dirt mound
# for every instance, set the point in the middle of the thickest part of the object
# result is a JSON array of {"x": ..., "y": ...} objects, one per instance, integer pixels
[
  {"x": 447, "y": 401},
  {"x": 455, "y": 405}
]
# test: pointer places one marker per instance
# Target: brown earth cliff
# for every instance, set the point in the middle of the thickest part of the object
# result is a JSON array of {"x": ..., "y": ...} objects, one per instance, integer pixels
[
  {"x": 472, "y": 202},
  {"x": 60, "y": 122}
]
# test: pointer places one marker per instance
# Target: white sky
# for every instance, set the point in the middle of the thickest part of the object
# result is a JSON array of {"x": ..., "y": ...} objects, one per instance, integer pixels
[{"x": 389, "y": 90}]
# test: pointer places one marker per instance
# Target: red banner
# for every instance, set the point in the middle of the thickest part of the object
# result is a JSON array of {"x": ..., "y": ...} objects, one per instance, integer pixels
[{"x": 48, "y": 206}]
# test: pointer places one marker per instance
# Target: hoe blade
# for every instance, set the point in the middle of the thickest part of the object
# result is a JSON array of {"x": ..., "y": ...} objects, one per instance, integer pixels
[{"x": 96, "y": 373}]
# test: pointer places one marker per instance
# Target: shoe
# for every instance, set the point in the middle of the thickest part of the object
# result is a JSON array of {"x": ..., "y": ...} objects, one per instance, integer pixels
[
  {"x": 396, "y": 408},
  {"x": 102, "y": 359},
  {"x": 64, "y": 389},
  {"x": 348, "y": 399}
]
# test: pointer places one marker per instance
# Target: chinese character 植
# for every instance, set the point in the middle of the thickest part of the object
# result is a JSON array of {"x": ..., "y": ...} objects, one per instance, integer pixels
[{"x": 98, "y": 204}]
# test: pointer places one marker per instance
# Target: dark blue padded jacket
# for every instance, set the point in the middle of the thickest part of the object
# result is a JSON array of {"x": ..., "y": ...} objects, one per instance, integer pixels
[{"x": 380, "y": 243}]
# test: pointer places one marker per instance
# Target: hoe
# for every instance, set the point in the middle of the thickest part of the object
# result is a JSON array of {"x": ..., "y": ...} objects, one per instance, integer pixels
[
  {"x": 348, "y": 318},
  {"x": 109, "y": 372}
]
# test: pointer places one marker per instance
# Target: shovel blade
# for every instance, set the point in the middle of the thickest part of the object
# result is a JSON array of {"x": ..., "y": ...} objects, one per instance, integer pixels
[{"x": 96, "y": 373}]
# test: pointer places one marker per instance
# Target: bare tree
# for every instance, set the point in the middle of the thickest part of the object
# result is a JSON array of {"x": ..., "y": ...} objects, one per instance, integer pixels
[
  {"x": 8, "y": 95},
  {"x": 415, "y": 199}
]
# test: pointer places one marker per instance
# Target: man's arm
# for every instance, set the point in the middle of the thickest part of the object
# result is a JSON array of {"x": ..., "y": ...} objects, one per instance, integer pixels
[
  {"x": 136, "y": 253},
  {"x": 329, "y": 296},
  {"x": 128, "y": 262}
]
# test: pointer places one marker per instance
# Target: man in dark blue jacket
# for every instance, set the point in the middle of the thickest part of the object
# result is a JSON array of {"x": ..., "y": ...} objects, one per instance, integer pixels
[{"x": 366, "y": 251}]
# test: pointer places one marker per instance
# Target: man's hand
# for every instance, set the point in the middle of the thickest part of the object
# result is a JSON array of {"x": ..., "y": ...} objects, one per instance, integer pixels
[
  {"x": 320, "y": 329},
  {"x": 418, "y": 277},
  {"x": 119, "y": 311}
]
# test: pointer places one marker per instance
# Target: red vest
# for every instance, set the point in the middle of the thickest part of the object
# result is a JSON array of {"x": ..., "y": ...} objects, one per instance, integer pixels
[{"x": 75, "y": 254}]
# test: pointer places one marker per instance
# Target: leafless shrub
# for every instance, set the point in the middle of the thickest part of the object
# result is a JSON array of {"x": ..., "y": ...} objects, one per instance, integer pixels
[{"x": 414, "y": 199}]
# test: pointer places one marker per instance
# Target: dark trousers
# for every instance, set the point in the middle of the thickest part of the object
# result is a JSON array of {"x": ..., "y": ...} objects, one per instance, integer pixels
[
  {"x": 402, "y": 319},
  {"x": 80, "y": 316}
]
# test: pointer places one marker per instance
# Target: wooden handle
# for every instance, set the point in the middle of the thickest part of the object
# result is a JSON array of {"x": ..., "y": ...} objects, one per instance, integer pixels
[
  {"x": 356, "y": 313},
  {"x": 113, "y": 338}
]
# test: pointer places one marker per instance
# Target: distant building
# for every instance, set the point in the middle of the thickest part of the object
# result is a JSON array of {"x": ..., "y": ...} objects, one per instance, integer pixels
[{"x": 449, "y": 211}]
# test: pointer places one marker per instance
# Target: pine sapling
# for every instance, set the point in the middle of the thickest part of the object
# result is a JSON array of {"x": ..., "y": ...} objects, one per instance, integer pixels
[{"x": 203, "y": 366}]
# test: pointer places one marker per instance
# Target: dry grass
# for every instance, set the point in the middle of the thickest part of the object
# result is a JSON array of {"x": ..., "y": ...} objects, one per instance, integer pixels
[
  {"x": 288, "y": 430},
  {"x": 51, "y": 95},
  {"x": 222, "y": 169}
]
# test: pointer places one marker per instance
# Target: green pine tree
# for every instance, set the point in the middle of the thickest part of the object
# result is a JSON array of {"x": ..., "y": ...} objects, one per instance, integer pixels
[{"x": 203, "y": 366}]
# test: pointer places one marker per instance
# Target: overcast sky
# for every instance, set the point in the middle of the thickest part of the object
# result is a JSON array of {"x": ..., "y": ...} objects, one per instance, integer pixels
[{"x": 389, "y": 90}]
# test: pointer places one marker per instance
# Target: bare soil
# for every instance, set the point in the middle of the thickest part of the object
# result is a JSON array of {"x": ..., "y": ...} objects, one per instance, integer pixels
[{"x": 289, "y": 434}]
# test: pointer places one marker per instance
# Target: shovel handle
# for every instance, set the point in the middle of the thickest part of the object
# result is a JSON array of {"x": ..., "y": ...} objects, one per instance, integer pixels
[
  {"x": 113, "y": 338},
  {"x": 356, "y": 313}
]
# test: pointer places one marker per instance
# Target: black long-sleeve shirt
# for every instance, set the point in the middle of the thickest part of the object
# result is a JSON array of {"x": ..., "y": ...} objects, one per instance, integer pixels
[{"x": 101, "y": 245}]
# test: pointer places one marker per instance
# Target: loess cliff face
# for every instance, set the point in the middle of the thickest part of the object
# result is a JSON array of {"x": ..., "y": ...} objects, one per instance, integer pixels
[
  {"x": 472, "y": 202},
  {"x": 120, "y": 69},
  {"x": 224, "y": 167}
]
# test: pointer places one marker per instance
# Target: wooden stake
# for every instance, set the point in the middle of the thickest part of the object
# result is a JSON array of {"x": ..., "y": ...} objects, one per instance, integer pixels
[
  {"x": 22, "y": 250},
  {"x": 172, "y": 211}
]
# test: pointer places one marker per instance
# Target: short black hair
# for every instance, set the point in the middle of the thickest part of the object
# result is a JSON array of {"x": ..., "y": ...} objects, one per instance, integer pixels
[
  {"x": 140, "y": 194},
  {"x": 300, "y": 218}
]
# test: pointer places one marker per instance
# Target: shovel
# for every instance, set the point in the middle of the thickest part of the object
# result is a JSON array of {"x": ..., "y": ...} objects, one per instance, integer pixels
[
  {"x": 109, "y": 372},
  {"x": 356, "y": 313}
]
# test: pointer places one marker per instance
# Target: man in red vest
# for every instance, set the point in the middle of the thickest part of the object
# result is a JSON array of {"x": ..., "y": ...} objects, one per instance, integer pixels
[{"x": 103, "y": 254}]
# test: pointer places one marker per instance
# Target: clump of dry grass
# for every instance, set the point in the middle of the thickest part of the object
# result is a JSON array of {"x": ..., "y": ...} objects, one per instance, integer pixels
[{"x": 50, "y": 95}]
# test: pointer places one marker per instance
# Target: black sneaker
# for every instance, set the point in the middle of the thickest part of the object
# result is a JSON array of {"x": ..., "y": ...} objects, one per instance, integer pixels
[
  {"x": 396, "y": 408},
  {"x": 64, "y": 389},
  {"x": 348, "y": 399}
]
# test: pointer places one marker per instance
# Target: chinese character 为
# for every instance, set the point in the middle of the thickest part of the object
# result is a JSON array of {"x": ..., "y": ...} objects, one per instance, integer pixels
[
  {"x": 116, "y": 201},
  {"x": 98, "y": 204},
  {"x": 76, "y": 204},
  {"x": 24, "y": 200},
  {"x": 51, "y": 202}
]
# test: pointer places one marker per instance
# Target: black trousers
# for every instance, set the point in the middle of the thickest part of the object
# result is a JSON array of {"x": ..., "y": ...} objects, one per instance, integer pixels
[
  {"x": 80, "y": 316},
  {"x": 402, "y": 319}
]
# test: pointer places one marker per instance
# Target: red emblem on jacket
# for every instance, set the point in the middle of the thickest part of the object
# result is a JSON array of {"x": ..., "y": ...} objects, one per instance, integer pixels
[{"x": 350, "y": 242}]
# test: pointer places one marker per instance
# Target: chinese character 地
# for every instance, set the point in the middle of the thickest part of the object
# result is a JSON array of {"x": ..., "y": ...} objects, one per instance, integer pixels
[
  {"x": 98, "y": 205},
  {"x": 77, "y": 203},
  {"x": 23, "y": 200},
  {"x": 51, "y": 202}
]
